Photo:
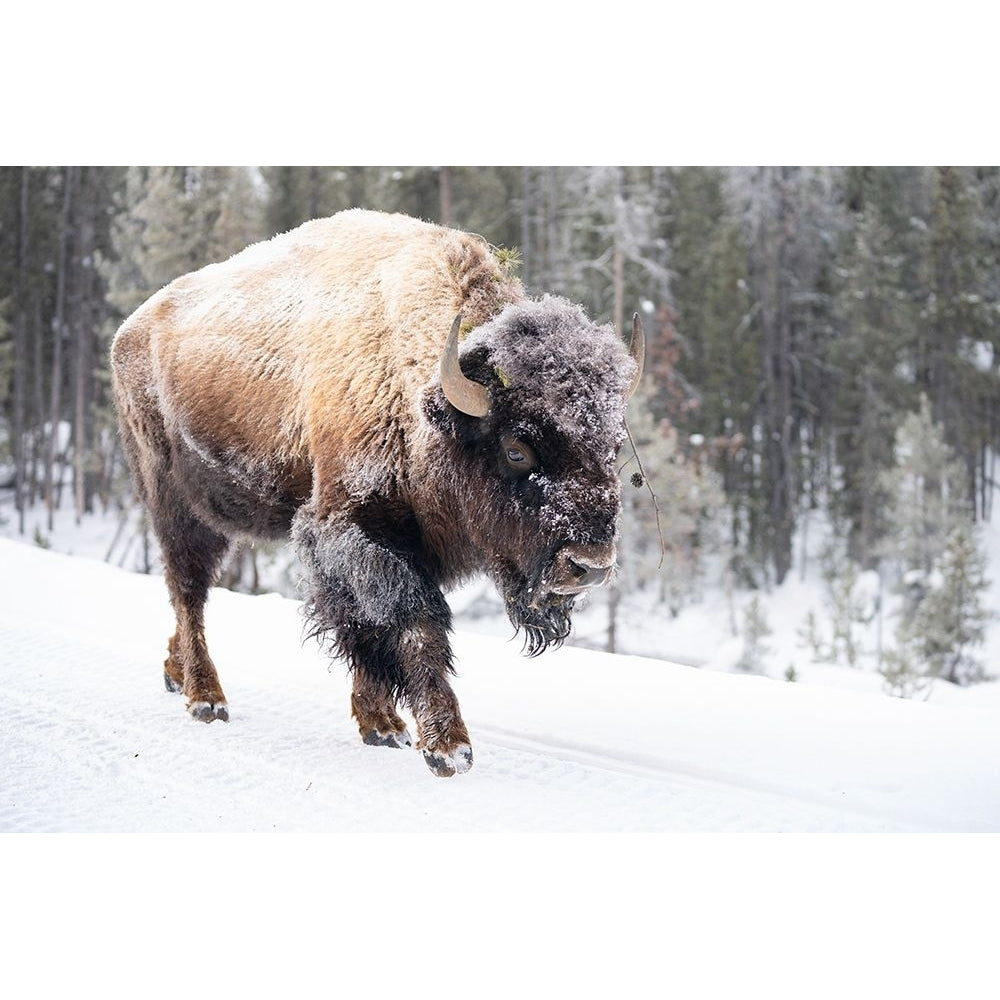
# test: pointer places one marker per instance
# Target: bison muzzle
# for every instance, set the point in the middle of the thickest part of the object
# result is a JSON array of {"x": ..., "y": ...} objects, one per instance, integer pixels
[{"x": 382, "y": 391}]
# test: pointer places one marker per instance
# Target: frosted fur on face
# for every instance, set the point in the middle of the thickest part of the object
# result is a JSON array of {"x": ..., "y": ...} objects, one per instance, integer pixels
[
  {"x": 557, "y": 382},
  {"x": 551, "y": 363}
]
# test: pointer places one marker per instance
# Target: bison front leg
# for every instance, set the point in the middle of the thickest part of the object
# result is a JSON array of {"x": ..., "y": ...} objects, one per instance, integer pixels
[
  {"x": 373, "y": 705},
  {"x": 411, "y": 663},
  {"x": 390, "y": 621}
]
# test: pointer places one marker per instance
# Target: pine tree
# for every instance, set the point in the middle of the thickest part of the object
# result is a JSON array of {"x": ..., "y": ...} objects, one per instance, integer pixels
[
  {"x": 294, "y": 195},
  {"x": 949, "y": 623},
  {"x": 788, "y": 224},
  {"x": 902, "y": 672},
  {"x": 90, "y": 407},
  {"x": 714, "y": 309},
  {"x": 933, "y": 548},
  {"x": 228, "y": 210},
  {"x": 928, "y": 498},
  {"x": 756, "y": 629},
  {"x": 875, "y": 318},
  {"x": 719, "y": 343},
  {"x": 959, "y": 331},
  {"x": 170, "y": 237},
  {"x": 173, "y": 220},
  {"x": 848, "y": 605},
  {"x": 670, "y": 545}
]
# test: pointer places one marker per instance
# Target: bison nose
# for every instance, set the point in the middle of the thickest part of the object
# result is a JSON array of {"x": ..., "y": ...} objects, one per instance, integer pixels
[
  {"x": 587, "y": 576},
  {"x": 579, "y": 567}
]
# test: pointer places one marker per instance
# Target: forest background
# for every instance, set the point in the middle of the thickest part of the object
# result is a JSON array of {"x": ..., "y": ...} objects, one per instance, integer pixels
[{"x": 822, "y": 349}]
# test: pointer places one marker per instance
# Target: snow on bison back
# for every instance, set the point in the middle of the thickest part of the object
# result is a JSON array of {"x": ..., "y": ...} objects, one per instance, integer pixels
[{"x": 381, "y": 390}]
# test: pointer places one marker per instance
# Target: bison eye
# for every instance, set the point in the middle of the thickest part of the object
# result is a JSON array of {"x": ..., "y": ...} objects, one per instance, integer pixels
[{"x": 517, "y": 455}]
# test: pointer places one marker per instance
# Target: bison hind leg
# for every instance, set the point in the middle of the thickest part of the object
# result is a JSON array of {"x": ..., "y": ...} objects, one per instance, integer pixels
[
  {"x": 173, "y": 680},
  {"x": 192, "y": 553}
]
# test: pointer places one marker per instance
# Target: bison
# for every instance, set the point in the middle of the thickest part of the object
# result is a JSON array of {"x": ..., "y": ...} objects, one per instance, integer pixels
[{"x": 382, "y": 390}]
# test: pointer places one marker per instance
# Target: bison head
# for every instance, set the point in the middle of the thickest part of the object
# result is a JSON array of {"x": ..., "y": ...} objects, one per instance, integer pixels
[{"x": 533, "y": 408}]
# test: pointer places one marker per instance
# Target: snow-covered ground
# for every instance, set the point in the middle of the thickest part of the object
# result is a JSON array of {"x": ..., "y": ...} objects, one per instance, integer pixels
[
  {"x": 507, "y": 881},
  {"x": 576, "y": 740}
]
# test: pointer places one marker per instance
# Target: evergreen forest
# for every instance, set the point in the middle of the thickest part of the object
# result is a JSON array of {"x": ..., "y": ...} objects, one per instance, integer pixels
[{"x": 822, "y": 343}]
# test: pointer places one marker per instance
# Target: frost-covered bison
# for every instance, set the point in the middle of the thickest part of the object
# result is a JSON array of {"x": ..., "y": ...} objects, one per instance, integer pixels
[{"x": 382, "y": 389}]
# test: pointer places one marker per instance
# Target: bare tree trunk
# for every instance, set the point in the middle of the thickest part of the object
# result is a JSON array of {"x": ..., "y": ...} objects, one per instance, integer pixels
[
  {"x": 38, "y": 393},
  {"x": 990, "y": 474},
  {"x": 776, "y": 347},
  {"x": 83, "y": 359},
  {"x": 546, "y": 231},
  {"x": 80, "y": 454},
  {"x": 21, "y": 358},
  {"x": 618, "y": 257},
  {"x": 313, "y": 205},
  {"x": 106, "y": 481},
  {"x": 59, "y": 322},
  {"x": 618, "y": 265},
  {"x": 527, "y": 207}
]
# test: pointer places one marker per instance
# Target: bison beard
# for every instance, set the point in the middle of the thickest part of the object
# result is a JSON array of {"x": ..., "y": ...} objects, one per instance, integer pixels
[
  {"x": 545, "y": 620},
  {"x": 542, "y": 627}
]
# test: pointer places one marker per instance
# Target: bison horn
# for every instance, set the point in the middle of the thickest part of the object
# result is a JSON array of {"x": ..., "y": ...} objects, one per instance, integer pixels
[
  {"x": 637, "y": 348},
  {"x": 464, "y": 394}
]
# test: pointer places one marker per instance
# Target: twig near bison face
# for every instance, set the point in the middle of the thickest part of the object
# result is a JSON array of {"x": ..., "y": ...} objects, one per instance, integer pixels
[{"x": 317, "y": 387}]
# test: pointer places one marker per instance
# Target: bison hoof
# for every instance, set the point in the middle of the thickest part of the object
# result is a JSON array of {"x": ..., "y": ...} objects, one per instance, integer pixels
[
  {"x": 444, "y": 765},
  {"x": 376, "y": 739},
  {"x": 170, "y": 684},
  {"x": 207, "y": 711}
]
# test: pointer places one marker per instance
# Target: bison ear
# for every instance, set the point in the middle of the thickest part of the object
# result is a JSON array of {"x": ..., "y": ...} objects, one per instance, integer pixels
[
  {"x": 470, "y": 397},
  {"x": 439, "y": 414}
]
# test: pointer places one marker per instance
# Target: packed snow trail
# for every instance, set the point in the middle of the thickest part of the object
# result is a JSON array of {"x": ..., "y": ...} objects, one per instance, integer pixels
[{"x": 572, "y": 741}]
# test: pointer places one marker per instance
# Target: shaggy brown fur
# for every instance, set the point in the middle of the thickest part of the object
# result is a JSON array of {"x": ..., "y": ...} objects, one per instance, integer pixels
[{"x": 295, "y": 386}]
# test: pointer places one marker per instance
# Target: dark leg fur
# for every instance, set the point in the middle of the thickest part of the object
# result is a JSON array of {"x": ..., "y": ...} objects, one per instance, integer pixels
[
  {"x": 417, "y": 658},
  {"x": 192, "y": 554},
  {"x": 374, "y": 708},
  {"x": 389, "y": 620}
]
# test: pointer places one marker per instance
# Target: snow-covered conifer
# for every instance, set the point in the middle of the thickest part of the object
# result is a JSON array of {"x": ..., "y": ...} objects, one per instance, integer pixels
[
  {"x": 756, "y": 628},
  {"x": 949, "y": 623}
]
